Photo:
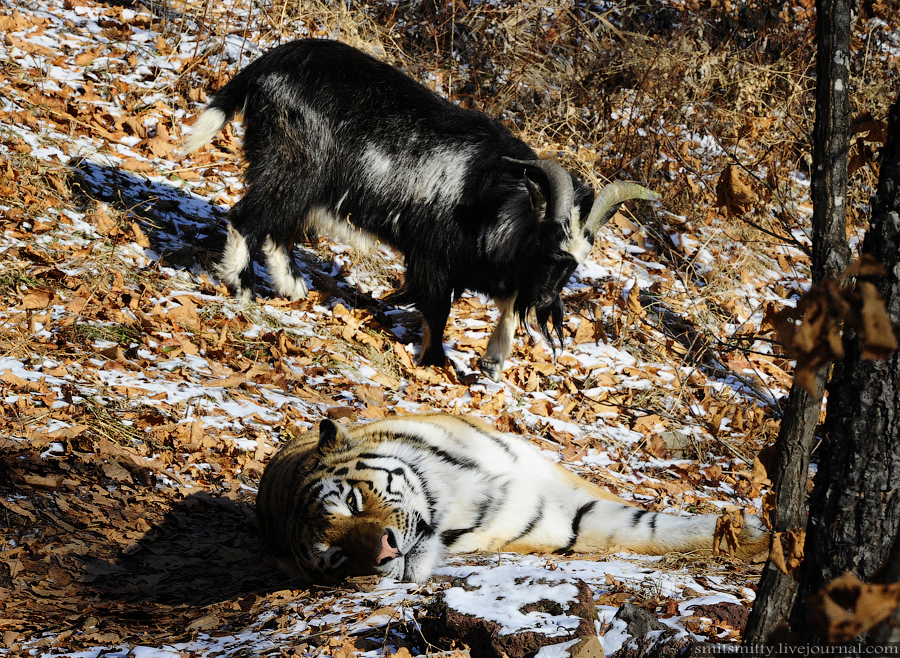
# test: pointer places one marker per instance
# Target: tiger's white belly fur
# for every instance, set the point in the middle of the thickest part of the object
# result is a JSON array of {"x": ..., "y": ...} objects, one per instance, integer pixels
[{"x": 440, "y": 483}]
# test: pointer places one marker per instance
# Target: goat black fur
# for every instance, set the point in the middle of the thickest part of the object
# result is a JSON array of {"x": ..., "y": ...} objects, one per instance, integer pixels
[{"x": 342, "y": 144}]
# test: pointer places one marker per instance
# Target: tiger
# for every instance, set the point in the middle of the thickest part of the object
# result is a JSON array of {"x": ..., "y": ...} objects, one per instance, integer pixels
[{"x": 393, "y": 497}]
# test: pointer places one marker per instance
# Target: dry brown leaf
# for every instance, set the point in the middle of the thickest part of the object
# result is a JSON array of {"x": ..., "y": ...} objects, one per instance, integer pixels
[
  {"x": 11, "y": 378},
  {"x": 15, "y": 21},
  {"x": 403, "y": 355},
  {"x": 17, "y": 509},
  {"x": 542, "y": 408},
  {"x": 204, "y": 623},
  {"x": 133, "y": 164},
  {"x": 866, "y": 123},
  {"x": 113, "y": 469},
  {"x": 645, "y": 424},
  {"x": 876, "y": 335},
  {"x": 865, "y": 266},
  {"x": 140, "y": 238},
  {"x": 633, "y": 301},
  {"x": 373, "y": 413},
  {"x": 88, "y": 56},
  {"x": 101, "y": 219},
  {"x": 584, "y": 333},
  {"x": 732, "y": 193},
  {"x": 758, "y": 476},
  {"x": 848, "y": 607},
  {"x": 811, "y": 332},
  {"x": 728, "y": 530},
  {"x": 769, "y": 503},
  {"x": 160, "y": 145},
  {"x": 37, "y": 298},
  {"x": 795, "y": 541}
]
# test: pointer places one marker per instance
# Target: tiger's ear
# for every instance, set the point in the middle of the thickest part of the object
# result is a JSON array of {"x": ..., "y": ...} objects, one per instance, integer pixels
[{"x": 330, "y": 434}]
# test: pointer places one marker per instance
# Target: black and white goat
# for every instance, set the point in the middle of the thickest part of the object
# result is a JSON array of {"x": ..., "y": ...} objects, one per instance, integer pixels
[{"x": 340, "y": 144}]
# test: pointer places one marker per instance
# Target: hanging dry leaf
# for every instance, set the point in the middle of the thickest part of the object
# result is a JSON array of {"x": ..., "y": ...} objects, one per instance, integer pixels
[
  {"x": 794, "y": 541},
  {"x": 848, "y": 607},
  {"x": 811, "y": 332},
  {"x": 864, "y": 266},
  {"x": 876, "y": 335},
  {"x": 767, "y": 513},
  {"x": 732, "y": 193},
  {"x": 728, "y": 531}
]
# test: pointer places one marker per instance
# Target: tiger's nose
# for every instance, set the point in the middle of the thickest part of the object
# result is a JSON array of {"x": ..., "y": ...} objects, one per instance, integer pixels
[{"x": 389, "y": 548}]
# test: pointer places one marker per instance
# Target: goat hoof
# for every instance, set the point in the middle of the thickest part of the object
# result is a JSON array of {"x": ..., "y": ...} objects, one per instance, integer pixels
[{"x": 490, "y": 368}]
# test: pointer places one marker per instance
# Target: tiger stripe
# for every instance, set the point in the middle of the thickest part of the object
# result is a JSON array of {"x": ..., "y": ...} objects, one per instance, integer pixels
[{"x": 330, "y": 502}]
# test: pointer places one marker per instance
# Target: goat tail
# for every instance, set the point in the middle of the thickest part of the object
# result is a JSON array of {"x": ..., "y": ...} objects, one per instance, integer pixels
[{"x": 230, "y": 99}]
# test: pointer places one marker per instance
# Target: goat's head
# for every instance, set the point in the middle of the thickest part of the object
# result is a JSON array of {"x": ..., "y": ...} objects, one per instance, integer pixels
[{"x": 563, "y": 239}]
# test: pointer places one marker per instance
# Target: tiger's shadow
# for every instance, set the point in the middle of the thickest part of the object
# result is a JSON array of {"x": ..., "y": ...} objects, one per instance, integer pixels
[{"x": 206, "y": 549}]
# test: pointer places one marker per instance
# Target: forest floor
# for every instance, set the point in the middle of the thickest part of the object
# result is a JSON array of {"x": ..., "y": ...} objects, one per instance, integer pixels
[{"x": 141, "y": 402}]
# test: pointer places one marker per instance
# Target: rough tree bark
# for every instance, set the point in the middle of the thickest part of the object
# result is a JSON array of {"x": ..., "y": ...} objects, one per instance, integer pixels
[
  {"x": 831, "y": 255},
  {"x": 855, "y": 506}
]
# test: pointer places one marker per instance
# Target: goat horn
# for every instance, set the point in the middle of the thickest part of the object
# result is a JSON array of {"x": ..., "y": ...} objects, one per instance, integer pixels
[
  {"x": 610, "y": 197},
  {"x": 561, "y": 188}
]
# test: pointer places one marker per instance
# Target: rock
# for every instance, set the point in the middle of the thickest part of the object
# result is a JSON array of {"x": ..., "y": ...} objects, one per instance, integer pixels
[
  {"x": 661, "y": 645},
  {"x": 486, "y": 639},
  {"x": 650, "y": 637},
  {"x": 640, "y": 622},
  {"x": 733, "y": 614},
  {"x": 588, "y": 647}
]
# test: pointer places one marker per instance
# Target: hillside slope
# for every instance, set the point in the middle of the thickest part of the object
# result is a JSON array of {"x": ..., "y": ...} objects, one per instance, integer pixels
[{"x": 141, "y": 403}]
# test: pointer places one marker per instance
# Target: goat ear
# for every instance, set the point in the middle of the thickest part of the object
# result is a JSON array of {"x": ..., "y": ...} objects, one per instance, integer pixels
[
  {"x": 330, "y": 434},
  {"x": 538, "y": 201}
]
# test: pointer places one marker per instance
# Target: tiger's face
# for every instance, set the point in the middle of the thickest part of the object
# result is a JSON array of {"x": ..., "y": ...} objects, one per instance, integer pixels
[{"x": 359, "y": 513}]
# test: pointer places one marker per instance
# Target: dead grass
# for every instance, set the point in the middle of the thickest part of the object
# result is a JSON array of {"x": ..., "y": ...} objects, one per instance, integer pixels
[{"x": 666, "y": 95}]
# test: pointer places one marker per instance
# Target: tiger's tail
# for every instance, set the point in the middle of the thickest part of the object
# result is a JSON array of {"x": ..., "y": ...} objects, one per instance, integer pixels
[{"x": 603, "y": 524}]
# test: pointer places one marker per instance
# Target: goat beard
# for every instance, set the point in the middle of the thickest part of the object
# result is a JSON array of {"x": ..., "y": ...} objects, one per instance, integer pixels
[{"x": 551, "y": 317}]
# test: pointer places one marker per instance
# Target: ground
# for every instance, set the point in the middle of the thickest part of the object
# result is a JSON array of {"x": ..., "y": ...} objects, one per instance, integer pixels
[{"x": 141, "y": 401}]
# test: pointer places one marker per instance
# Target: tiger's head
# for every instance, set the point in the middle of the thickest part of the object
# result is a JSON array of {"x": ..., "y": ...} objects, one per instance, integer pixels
[{"x": 353, "y": 508}]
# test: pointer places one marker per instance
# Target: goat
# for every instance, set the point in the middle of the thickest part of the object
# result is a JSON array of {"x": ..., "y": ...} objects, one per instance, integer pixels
[{"x": 340, "y": 144}]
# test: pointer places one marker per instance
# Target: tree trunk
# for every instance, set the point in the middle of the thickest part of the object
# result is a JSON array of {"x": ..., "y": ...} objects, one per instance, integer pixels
[
  {"x": 856, "y": 502},
  {"x": 831, "y": 139},
  {"x": 776, "y": 592},
  {"x": 831, "y": 255}
]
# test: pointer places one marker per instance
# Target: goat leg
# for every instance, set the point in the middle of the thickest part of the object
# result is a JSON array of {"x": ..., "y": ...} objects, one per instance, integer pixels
[
  {"x": 434, "y": 320},
  {"x": 500, "y": 344}
]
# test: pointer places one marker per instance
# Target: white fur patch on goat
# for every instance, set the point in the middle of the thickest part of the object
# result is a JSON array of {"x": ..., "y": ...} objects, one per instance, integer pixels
[
  {"x": 437, "y": 176},
  {"x": 204, "y": 129},
  {"x": 277, "y": 260},
  {"x": 235, "y": 258},
  {"x": 326, "y": 224},
  {"x": 577, "y": 245}
]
